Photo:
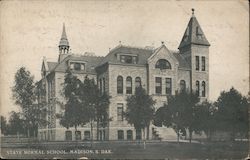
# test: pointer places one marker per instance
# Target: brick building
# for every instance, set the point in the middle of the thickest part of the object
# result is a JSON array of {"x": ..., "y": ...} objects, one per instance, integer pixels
[{"x": 159, "y": 70}]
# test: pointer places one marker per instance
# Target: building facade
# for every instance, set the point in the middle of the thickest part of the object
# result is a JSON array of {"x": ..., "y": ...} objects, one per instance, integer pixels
[{"x": 159, "y": 71}]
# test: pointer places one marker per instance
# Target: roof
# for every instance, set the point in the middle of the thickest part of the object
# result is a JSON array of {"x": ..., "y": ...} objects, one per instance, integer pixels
[
  {"x": 64, "y": 40},
  {"x": 91, "y": 63},
  {"x": 142, "y": 53},
  {"x": 51, "y": 65},
  {"x": 193, "y": 34},
  {"x": 182, "y": 62}
]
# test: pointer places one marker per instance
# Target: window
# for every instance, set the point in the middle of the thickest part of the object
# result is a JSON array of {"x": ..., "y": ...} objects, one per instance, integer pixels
[
  {"x": 168, "y": 86},
  {"x": 120, "y": 135},
  {"x": 77, "y": 66},
  {"x": 162, "y": 64},
  {"x": 129, "y": 135},
  {"x": 138, "y": 134},
  {"x": 71, "y": 65},
  {"x": 86, "y": 135},
  {"x": 137, "y": 82},
  {"x": 120, "y": 112},
  {"x": 119, "y": 85},
  {"x": 100, "y": 83},
  {"x": 104, "y": 87},
  {"x": 158, "y": 85},
  {"x": 82, "y": 66},
  {"x": 203, "y": 92},
  {"x": 129, "y": 85},
  {"x": 123, "y": 59},
  {"x": 197, "y": 63},
  {"x": 78, "y": 135},
  {"x": 198, "y": 88},
  {"x": 128, "y": 59},
  {"x": 203, "y": 63},
  {"x": 68, "y": 135},
  {"x": 134, "y": 60},
  {"x": 182, "y": 85}
]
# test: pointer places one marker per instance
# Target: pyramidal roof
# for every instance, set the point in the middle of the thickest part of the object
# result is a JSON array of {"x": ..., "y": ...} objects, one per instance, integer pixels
[
  {"x": 64, "y": 40},
  {"x": 193, "y": 34}
]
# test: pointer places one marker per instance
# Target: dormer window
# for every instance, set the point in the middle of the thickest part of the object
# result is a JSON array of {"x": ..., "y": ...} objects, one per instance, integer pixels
[
  {"x": 163, "y": 64},
  {"x": 77, "y": 66},
  {"x": 128, "y": 59}
]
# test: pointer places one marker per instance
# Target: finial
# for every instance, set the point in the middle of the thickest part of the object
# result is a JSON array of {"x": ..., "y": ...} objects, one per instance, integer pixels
[
  {"x": 162, "y": 42},
  {"x": 192, "y": 11}
]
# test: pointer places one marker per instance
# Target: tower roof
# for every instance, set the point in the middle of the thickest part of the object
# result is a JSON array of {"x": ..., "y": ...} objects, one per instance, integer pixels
[
  {"x": 193, "y": 34},
  {"x": 64, "y": 40}
]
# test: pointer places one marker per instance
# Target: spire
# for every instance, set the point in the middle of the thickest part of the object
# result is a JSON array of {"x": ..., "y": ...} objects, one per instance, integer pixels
[
  {"x": 193, "y": 33},
  {"x": 64, "y": 43}
]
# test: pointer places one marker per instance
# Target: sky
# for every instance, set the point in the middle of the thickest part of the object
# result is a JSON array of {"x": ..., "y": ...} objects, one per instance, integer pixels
[{"x": 30, "y": 30}]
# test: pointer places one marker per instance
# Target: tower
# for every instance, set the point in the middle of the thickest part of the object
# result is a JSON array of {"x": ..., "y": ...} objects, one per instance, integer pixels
[
  {"x": 63, "y": 45},
  {"x": 195, "y": 48}
]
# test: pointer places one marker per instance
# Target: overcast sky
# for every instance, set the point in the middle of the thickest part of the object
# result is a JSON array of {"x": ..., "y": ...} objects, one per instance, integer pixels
[{"x": 32, "y": 29}]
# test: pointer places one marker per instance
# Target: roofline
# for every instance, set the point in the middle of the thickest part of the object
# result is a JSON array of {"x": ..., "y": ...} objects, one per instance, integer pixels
[
  {"x": 127, "y": 64},
  {"x": 195, "y": 44},
  {"x": 79, "y": 73},
  {"x": 128, "y": 46}
]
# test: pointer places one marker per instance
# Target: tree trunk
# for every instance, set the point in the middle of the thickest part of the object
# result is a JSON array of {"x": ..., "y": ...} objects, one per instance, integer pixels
[
  {"x": 97, "y": 129},
  {"x": 91, "y": 128},
  {"x": 28, "y": 131},
  {"x": 190, "y": 135},
  {"x": 144, "y": 138},
  {"x": 148, "y": 132},
  {"x": 75, "y": 131},
  {"x": 178, "y": 136}
]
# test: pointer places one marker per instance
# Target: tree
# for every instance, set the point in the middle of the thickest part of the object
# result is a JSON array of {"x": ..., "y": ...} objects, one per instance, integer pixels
[
  {"x": 24, "y": 96},
  {"x": 206, "y": 116},
  {"x": 180, "y": 113},
  {"x": 140, "y": 109},
  {"x": 72, "y": 116},
  {"x": 23, "y": 90},
  {"x": 16, "y": 124},
  {"x": 4, "y": 127},
  {"x": 102, "y": 112},
  {"x": 232, "y": 113},
  {"x": 89, "y": 98}
]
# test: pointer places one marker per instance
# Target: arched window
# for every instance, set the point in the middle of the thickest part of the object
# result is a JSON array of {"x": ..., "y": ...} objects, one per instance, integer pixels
[
  {"x": 120, "y": 135},
  {"x": 182, "y": 85},
  {"x": 163, "y": 64},
  {"x": 197, "y": 88},
  {"x": 203, "y": 92},
  {"x": 129, "y": 135},
  {"x": 137, "y": 82},
  {"x": 129, "y": 85},
  {"x": 120, "y": 85}
]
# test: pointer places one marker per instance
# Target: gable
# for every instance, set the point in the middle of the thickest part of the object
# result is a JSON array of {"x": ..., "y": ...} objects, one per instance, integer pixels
[{"x": 162, "y": 53}]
